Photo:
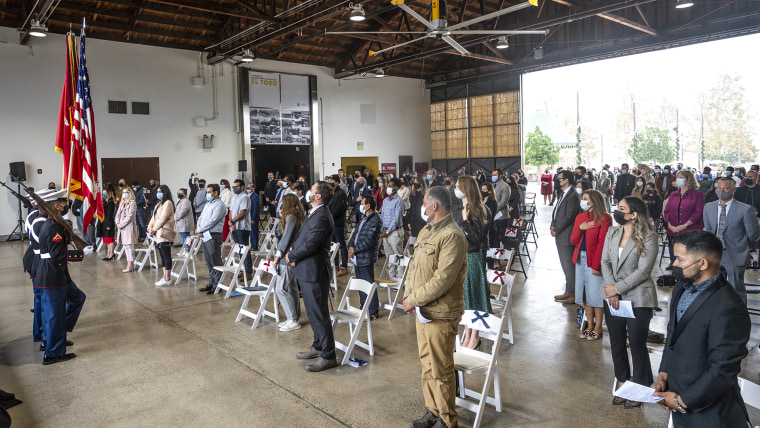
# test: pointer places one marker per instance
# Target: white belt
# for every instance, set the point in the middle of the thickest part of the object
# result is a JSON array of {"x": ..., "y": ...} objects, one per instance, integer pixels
[
  {"x": 36, "y": 251},
  {"x": 45, "y": 255}
]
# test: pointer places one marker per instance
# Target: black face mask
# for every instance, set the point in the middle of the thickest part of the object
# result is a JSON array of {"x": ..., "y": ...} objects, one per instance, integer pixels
[
  {"x": 619, "y": 217},
  {"x": 65, "y": 210},
  {"x": 749, "y": 181},
  {"x": 180, "y": 195},
  {"x": 650, "y": 191},
  {"x": 678, "y": 274},
  {"x": 51, "y": 187},
  {"x": 484, "y": 194}
]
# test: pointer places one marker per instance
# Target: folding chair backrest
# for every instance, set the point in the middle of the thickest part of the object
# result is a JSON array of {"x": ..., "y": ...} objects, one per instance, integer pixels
[
  {"x": 410, "y": 246},
  {"x": 502, "y": 279},
  {"x": 490, "y": 327},
  {"x": 501, "y": 254},
  {"x": 355, "y": 284},
  {"x": 268, "y": 266},
  {"x": 402, "y": 262},
  {"x": 333, "y": 251}
]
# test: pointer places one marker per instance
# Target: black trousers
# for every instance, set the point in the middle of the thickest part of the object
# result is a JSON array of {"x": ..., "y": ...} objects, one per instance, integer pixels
[
  {"x": 635, "y": 330},
  {"x": 316, "y": 297}
]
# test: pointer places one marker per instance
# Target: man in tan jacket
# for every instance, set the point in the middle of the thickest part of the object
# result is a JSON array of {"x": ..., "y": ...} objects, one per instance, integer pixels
[{"x": 435, "y": 291}]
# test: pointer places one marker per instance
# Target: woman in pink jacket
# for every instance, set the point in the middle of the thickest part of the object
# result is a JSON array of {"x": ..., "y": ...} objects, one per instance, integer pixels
[
  {"x": 162, "y": 226},
  {"x": 127, "y": 225},
  {"x": 683, "y": 212}
]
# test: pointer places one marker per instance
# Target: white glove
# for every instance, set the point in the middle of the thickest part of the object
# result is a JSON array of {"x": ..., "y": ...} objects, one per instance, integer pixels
[{"x": 87, "y": 250}]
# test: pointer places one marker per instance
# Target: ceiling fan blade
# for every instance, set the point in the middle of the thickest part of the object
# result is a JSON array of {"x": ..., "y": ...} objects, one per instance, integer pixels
[
  {"x": 375, "y": 32},
  {"x": 499, "y": 32},
  {"x": 455, "y": 45},
  {"x": 492, "y": 15},
  {"x": 416, "y": 15},
  {"x": 375, "y": 53}
]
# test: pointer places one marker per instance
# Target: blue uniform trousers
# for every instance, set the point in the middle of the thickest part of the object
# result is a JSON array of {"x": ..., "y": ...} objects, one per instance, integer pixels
[
  {"x": 37, "y": 324},
  {"x": 60, "y": 311}
]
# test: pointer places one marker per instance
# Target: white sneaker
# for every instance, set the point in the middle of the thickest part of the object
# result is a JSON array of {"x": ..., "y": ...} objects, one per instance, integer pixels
[
  {"x": 290, "y": 326},
  {"x": 282, "y": 324},
  {"x": 162, "y": 282}
]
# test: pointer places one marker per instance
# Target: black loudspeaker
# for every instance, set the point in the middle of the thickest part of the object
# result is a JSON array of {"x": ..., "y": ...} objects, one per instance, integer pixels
[
  {"x": 18, "y": 171},
  {"x": 242, "y": 165}
]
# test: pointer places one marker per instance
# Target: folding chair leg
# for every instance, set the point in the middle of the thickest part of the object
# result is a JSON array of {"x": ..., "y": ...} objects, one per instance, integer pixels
[
  {"x": 351, "y": 344},
  {"x": 369, "y": 338},
  {"x": 461, "y": 384},
  {"x": 243, "y": 308}
]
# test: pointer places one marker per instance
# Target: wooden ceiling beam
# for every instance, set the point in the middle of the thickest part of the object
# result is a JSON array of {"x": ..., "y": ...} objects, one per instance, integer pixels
[
  {"x": 215, "y": 9},
  {"x": 628, "y": 23},
  {"x": 481, "y": 57}
]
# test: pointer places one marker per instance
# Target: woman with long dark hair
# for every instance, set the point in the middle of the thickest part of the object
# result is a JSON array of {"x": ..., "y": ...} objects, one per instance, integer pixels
[
  {"x": 107, "y": 227},
  {"x": 162, "y": 227},
  {"x": 292, "y": 215},
  {"x": 630, "y": 251}
]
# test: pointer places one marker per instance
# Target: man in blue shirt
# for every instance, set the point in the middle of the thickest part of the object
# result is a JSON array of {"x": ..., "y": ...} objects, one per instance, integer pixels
[
  {"x": 255, "y": 206},
  {"x": 200, "y": 199},
  {"x": 240, "y": 220},
  {"x": 392, "y": 216},
  {"x": 209, "y": 229}
]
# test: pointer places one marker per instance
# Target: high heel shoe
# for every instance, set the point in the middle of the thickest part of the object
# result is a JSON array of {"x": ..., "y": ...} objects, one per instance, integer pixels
[
  {"x": 108, "y": 259},
  {"x": 132, "y": 269}
]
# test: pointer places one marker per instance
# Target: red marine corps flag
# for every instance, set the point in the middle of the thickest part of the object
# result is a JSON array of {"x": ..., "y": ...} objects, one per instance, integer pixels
[{"x": 66, "y": 119}]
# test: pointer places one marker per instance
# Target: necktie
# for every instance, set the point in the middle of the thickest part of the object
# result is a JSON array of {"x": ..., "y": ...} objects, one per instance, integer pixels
[{"x": 722, "y": 221}]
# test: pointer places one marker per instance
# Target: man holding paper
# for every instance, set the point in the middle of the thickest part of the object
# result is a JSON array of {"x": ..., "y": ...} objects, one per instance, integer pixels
[
  {"x": 210, "y": 225},
  {"x": 707, "y": 339}
]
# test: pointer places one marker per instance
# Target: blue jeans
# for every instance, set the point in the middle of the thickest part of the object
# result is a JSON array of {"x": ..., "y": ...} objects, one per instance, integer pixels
[
  {"x": 241, "y": 237},
  {"x": 585, "y": 279},
  {"x": 339, "y": 236},
  {"x": 183, "y": 236},
  {"x": 367, "y": 273},
  {"x": 254, "y": 235},
  {"x": 142, "y": 225}
]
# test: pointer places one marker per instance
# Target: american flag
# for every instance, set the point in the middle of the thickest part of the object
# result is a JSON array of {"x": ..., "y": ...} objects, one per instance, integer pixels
[{"x": 83, "y": 136}]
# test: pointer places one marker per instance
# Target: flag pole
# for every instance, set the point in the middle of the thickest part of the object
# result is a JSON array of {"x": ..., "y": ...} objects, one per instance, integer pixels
[{"x": 69, "y": 45}]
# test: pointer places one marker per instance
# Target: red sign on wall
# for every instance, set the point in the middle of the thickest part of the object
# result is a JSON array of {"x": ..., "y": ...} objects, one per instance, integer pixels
[
  {"x": 420, "y": 167},
  {"x": 388, "y": 168}
]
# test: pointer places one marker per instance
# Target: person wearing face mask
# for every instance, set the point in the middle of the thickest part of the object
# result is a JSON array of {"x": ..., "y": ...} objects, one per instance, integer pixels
[
  {"x": 358, "y": 192},
  {"x": 211, "y": 224},
  {"x": 392, "y": 230},
  {"x": 61, "y": 301},
  {"x": 683, "y": 210},
  {"x": 298, "y": 189},
  {"x": 654, "y": 204},
  {"x": 286, "y": 188},
  {"x": 161, "y": 226},
  {"x": 432, "y": 179},
  {"x": 580, "y": 173},
  {"x": 255, "y": 208},
  {"x": 240, "y": 221},
  {"x": 200, "y": 199},
  {"x": 368, "y": 176},
  {"x": 638, "y": 190},
  {"x": 625, "y": 183},
  {"x": 226, "y": 196},
  {"x": 183, "y": 218},
  {"x": 628, "y": 257},
  {"x": 546, "y": 185},
  {"x": 338, "y": 206},
  {"x": 709, "y": 328},
  {"x": 434, "y": 288},
  {"x": 413, "y": 219},
  {"x": 364, "y": 246},
  {"x": 749, "y": 193},
  {"x": 270, "y": 193},
  {"x": 501, "y": 216},
  {"x": 588, "y": 234},
  {"x": 380, "y": 192},
  {"x": 127, "y": 226},
  {"x": 604, "y": 185},
  {"x": 705, "y": 181},
  {"x": 152, "y": 201},
  {"x": 735, "y": 224},
  {"x": 107, "y": 227},
  {"x": 563, "y": 217},
  {"x": 732, "y": 174},
  {"x": 192, "y": 185}
]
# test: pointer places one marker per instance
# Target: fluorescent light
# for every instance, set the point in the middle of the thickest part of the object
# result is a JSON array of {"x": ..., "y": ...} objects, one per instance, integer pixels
[
  {"x": 357, "y": 12},
  {"x": 379, "y": 73},
  {"x": 247, "y": 56},
  {"x": 37, "y": 29},
  {"x": 680, "y": 4},
  {"x": 502, "y": 43}
]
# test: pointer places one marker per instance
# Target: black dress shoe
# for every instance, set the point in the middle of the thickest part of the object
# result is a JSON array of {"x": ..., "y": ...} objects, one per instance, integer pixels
[
  {"x": 426, "y": 421},
  {"x": 37, "y": 340},
  {"x": 31, "y": 310},
  {"x": 322, "y": 365},
  {"x": 59, "y": 359},
  {"x": 441, "y": 424},
  {"x": 211, "y": 290},
  {"x": 206, "y": 288},
  {"x": 68, "y": 343}
]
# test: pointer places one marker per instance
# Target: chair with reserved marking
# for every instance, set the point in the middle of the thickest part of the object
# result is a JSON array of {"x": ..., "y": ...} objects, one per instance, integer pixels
[
  {"x": 184, "y": 262},
  {"x": 233, "y": 266},
  {"x": 469, "y": 361},
  {"x": 354, "y": 317},
  {"x": 263, "y": 291},
  {"x": 393, "y": 284},
  {"x": 270, "y": 226},
  {"x": 410, "y": 246},
  {"x": 502, "y": 303},
  {"x": 503, "y": 256}
]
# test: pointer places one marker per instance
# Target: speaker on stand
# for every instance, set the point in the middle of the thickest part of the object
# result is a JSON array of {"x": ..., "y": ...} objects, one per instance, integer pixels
[
  {"x": 242, "y": 168},
  {"x": 18, "y": 174}
]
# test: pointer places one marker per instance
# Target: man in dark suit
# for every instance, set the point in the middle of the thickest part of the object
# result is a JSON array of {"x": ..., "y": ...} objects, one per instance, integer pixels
[
  {"x": 707, "y": 339},
  {"x": 338, "y": 206},
  {"x": 563, "y": 218},
  {"x": 625, "y": 183},
  {"x": 310, "y": 255},
  {"x": 358, "y": 192},
  {"x": 270, "y": 193}
]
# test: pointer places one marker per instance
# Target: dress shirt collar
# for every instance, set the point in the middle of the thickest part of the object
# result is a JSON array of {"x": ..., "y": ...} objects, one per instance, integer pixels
[
  {"x": 314, "y": 209},
  {"x": 696, "y": 288}
]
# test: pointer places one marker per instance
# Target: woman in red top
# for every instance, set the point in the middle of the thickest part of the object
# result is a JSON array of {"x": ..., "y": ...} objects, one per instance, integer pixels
[
  {"x": 380, "y": 193},
  {"x": 588, "y": 235},
  {"x": 546, "y": 185}
]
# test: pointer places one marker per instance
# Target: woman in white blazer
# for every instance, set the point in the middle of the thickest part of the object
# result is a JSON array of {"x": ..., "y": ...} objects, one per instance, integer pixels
[{"x": 630, "y": 251}]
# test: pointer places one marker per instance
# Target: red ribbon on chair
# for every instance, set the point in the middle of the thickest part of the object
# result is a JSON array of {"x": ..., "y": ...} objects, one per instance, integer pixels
[
  {"x": 498, "y": 275},
  {"x": 498, "y": 252},
  {"x": 268, "y": 265}
]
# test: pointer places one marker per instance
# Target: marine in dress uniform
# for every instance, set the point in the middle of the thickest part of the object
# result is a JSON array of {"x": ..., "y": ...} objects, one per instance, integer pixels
[{"x": 61, "y": 300}]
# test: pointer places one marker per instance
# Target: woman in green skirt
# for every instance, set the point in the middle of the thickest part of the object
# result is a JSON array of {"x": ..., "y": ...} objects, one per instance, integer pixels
[{"x": 474, "y": 221}]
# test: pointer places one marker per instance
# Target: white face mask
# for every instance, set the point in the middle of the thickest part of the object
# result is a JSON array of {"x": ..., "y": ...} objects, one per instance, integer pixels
[
  {"x": 584, "y": 205},
  {"x": 422, "y": 214},
  {"x": 579, "y": 191},
  {"x": 459, "y": 194},
  {"x": 389, "y": 191}
]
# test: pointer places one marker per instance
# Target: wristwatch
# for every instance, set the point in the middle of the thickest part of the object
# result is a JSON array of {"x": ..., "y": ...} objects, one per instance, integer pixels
[{"x": 678, "y": 405}]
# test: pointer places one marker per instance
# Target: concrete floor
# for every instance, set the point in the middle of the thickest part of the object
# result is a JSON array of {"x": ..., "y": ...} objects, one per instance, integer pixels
[{"x": 175, "y": 357}]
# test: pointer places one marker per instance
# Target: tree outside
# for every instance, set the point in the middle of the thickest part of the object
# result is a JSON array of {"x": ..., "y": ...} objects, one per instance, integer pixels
[
  {"x": 652, "y": 145},
  {"x": 539, "y": 149},
  {"x": 727, "y": 117}
]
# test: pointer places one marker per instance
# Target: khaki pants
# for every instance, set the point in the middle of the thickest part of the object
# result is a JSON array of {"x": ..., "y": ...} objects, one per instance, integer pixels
[
  {"x": 393, "y": 244},
  {"x": 436, "y": 341}
]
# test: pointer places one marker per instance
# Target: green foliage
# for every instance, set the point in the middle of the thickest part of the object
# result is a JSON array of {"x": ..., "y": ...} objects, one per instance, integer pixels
[
  {"x": 652, "y": 145},
  {"x": 727, "y": 120},
  {"x": 539, "y": 149}
]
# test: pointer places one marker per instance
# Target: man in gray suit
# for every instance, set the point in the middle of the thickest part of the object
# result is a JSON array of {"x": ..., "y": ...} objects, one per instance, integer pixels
[
  {"x": 567, "y": 208},
  {"x": 737, "y": 230}
]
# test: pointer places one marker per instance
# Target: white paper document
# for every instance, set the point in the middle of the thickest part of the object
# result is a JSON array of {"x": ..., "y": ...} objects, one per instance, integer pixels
[
  {"x": 206, "y": 236},
  {"x": 497, "y": 216},
  {"x": 624, "y": 310},
  {"x": 420, "y": 317},
  {"x": 635, "y": 392}
]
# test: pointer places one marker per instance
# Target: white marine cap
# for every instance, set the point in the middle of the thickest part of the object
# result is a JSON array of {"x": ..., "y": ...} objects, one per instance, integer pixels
[{"x": 52, "y": 196}]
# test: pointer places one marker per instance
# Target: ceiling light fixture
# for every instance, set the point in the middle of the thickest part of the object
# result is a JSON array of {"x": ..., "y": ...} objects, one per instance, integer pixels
[
  {"x": 538, "y": 53},
  {"x": 37, "y": 29},
  {"x": 379, "y": 73},
  {"x": 681, "y": 4},
  {"x": 247, "y": 56},
  {"x": 357, "y": 12},
  {"x": 502, "y": 43}
]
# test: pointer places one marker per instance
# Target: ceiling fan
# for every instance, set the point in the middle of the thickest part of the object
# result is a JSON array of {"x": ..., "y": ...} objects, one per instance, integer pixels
[{"x": 438, "y": 27}]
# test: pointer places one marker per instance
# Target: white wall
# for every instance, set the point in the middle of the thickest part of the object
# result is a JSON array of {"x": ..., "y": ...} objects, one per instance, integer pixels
[{"x": 30, "y": 90}]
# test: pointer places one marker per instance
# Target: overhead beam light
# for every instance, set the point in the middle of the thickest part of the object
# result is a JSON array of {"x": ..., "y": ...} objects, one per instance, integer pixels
[
  {"x": 247, "y": 56},
  {"x": 681, "y": 4},
  {"x": 357, "y": 12},
  {"x": 379, "y": 73},
  {"x": 502, "y": 43},
  {"x": 37, "y": 29}
]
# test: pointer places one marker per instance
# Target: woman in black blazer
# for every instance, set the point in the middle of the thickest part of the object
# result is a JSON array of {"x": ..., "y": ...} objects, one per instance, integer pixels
[{"x": 107, "y": 227}]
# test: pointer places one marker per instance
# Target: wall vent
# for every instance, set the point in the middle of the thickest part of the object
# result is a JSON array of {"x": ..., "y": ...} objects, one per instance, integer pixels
[
  {"x": 117, "y": 107},
  {"x": 140, "y": 107}
]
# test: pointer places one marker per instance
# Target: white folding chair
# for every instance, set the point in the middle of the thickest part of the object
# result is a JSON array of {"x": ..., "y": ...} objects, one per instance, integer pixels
[
  {"x": 185, "y": 261},
  {"x": 334, "y": 246},
  {"x": 270, "y": 226},
  {"x": 98, "y": 244},
  {"x": 502, "y": 255},
  {"x": 119, "y": 251},
  {"x": 502, "y": 304},
  {"x": 354, "y": 317},
  {"x": 233, "y": 266},
  {"x": 469, "y": 361},
  {"x": 267, "y": 249},
  {"x": 264, "y": 291},
  {"x": 410, "y": 246},
  {"x": 146, "y": 255},
  {"x": 393, "y": 283}
]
